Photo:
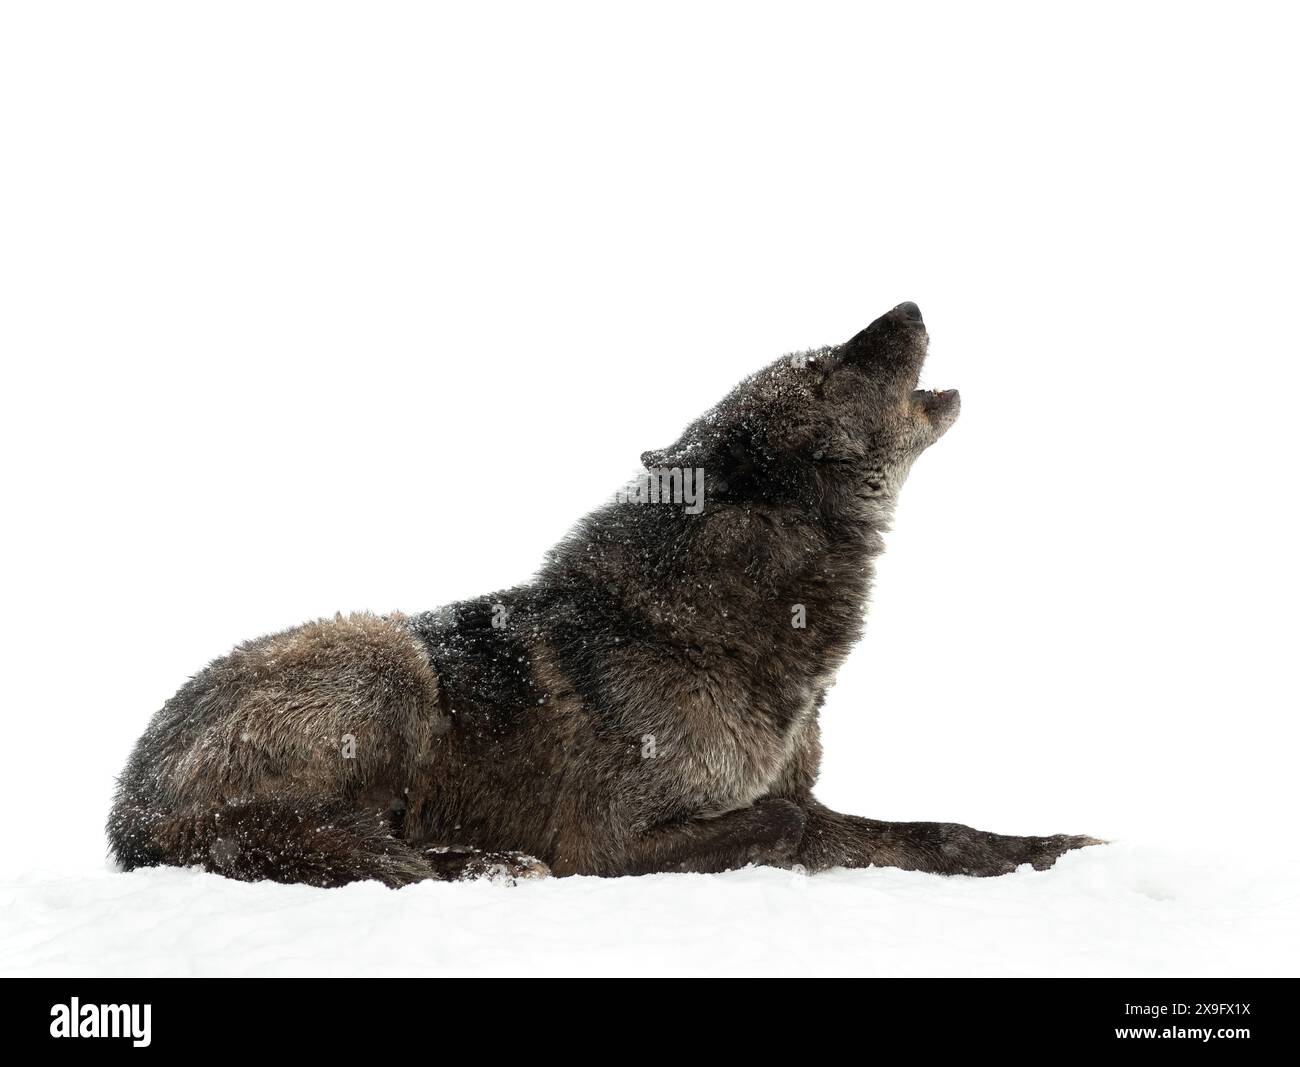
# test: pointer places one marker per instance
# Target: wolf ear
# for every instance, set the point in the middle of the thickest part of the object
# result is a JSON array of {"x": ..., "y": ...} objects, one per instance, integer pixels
[
  {"x": 678, "y": 455},
  {"x": 693, "y": 449}
]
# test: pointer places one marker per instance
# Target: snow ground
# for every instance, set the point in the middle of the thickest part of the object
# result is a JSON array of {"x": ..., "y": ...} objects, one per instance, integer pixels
[{"x": 1119, "y": 910}]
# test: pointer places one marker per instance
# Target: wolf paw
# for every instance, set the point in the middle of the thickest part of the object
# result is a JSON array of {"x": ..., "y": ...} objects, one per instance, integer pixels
[
  {"x": 995, "y": 854},
  {"x": 1045, "y": 851},
  {"x": 507, "y": 868},
  {"x": 461, "y": 863}
]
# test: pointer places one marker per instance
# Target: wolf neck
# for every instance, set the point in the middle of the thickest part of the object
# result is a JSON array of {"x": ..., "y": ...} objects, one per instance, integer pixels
[{"x": 754, "y": 581}]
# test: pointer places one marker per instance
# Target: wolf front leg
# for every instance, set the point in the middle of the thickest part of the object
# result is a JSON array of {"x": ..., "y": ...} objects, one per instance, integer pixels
[
  {"x": 834, "y": 840},
  {"x": 767, "y": 832}
]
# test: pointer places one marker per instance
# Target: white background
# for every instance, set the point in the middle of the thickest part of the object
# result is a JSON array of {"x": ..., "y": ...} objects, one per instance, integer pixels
[{"x": 322, "y": 307}]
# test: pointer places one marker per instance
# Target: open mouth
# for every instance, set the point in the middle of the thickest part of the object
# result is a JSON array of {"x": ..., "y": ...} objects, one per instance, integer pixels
[{"x": 940, "y": 406}]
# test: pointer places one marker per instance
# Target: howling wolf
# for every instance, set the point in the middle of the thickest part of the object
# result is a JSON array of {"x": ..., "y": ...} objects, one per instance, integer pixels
[{"x": 649, "y": 702}]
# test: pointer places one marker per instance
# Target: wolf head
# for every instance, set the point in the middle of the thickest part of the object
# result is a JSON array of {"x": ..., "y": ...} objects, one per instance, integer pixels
[{"x": 836, "y": 429}]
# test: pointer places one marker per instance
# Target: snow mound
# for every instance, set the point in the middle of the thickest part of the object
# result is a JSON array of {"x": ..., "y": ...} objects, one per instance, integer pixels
[{"x": 1118, "y": 910}]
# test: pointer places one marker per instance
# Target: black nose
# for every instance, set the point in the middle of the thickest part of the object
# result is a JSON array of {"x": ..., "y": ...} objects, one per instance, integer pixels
[{"x": 909, "y": 311}]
